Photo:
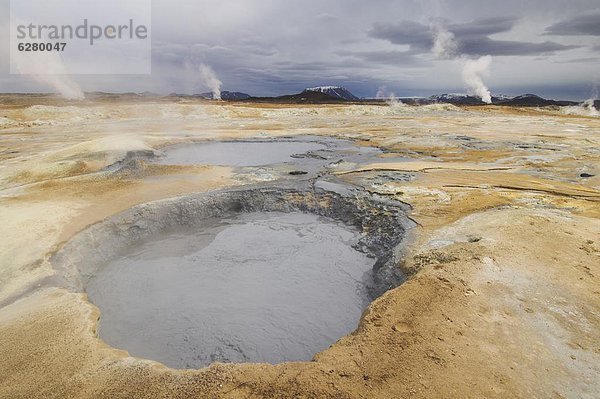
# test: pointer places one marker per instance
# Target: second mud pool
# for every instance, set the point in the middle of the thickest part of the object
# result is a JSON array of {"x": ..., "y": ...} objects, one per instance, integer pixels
[
  {"x": 240, "y": 153},
  {"x": 254, "y": 287}
]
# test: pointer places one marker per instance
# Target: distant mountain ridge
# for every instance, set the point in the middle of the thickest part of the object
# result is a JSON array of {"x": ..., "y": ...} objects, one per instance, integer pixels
[
  {"x": 227, "y": 95},
  {"x": 311, "y": 95},
  {"x": 336, "y": 94},
  {"x": 333, "y": 91},
  {"x": 524, "y": 100},
  {"x": 532, "y": 100}
]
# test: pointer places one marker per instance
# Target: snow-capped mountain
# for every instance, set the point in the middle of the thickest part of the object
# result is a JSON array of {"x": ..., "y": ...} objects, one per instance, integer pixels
[
  {"x": 333, "y": 91},
  {"x": 448, "y": 97}
]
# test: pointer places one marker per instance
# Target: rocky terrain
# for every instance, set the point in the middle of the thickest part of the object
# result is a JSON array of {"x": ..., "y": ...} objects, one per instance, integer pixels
[{"x": 502, "y": 260}]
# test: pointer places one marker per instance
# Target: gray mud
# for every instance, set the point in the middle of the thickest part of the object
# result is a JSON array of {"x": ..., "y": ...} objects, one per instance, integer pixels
[
  {"x": 310, "y": 154},
  {"x": 254, "y": 287},
  {"x": 381, "y": 221},
  {"x": 237, "y": 153},
  {"x": 258, "y": 159}
]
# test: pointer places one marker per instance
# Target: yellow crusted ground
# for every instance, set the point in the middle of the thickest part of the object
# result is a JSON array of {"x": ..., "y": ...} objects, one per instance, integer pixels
[{"x": 504, "y": 300}]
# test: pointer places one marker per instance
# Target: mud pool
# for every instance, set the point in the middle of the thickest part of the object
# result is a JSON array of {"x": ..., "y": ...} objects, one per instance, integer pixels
[
  {"x": 247, "y": 287},
  {"x": 246, "y": 153}
]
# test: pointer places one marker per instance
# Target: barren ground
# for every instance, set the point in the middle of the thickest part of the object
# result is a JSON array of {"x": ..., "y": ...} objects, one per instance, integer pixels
[{"x": 504, "y": 294}]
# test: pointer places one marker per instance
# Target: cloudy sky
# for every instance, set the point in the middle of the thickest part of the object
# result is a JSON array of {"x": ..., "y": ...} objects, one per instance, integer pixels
[{"x": 272, "y": 47}]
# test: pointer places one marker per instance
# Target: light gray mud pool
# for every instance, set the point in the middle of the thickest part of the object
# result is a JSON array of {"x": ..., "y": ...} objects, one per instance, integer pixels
[
  {"x": 312, "y": 154},
  {"x": 237, "y": 153},
  {"x": 255, "y": 287},
  {"x": 306, "y": 156}
]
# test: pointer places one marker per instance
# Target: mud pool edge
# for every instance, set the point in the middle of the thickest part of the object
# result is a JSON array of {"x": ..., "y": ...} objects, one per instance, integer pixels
[{"x": 382, "y": 222}]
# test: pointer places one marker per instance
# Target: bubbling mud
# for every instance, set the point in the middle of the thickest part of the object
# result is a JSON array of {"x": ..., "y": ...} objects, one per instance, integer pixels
[{"x": 253, "y": 287}]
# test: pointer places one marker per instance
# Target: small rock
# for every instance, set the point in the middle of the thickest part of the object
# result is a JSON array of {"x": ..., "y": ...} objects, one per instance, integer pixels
[{"x": 401, "y": 328}]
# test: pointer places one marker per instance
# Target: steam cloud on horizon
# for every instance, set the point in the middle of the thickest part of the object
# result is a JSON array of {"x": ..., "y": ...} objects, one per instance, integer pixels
[
  {"x": 210, "y": 79},
  {"x": 51, "y": 73},
  {"x": 445, "y": 46}
]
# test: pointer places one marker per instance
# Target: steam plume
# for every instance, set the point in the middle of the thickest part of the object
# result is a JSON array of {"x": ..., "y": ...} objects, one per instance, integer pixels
[
  {"x": 48, "y": 68},
  {"x": 473, "y": 70},
  {"x": 444, "y": 43},
  {"x": 50, "y": 72},
  {"x": 61, "y": 82},
  {"x": 588, "y": 108},
  {"x": 66, "y": 87},
  {"x": 391, "y": 100},
  {"x": 209, "y": 78},
  {"x": 589, "y": 104},
  {"x": 381, "y": 92},
  {"x": 472, "y": 73}
]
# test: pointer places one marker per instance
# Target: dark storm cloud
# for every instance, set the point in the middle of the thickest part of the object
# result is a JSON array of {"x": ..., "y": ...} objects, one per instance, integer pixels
[
  {"x": 420, "y": 36},
  {"x": 416, "y": 35},
  {"x": 583, "y": 25},
  {"x": 483, "y": 27},
  {"x": 472, "y": 37}
]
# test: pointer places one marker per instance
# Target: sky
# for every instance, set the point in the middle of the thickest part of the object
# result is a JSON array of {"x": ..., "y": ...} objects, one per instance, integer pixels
[{"x": 274, "y": 47}]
